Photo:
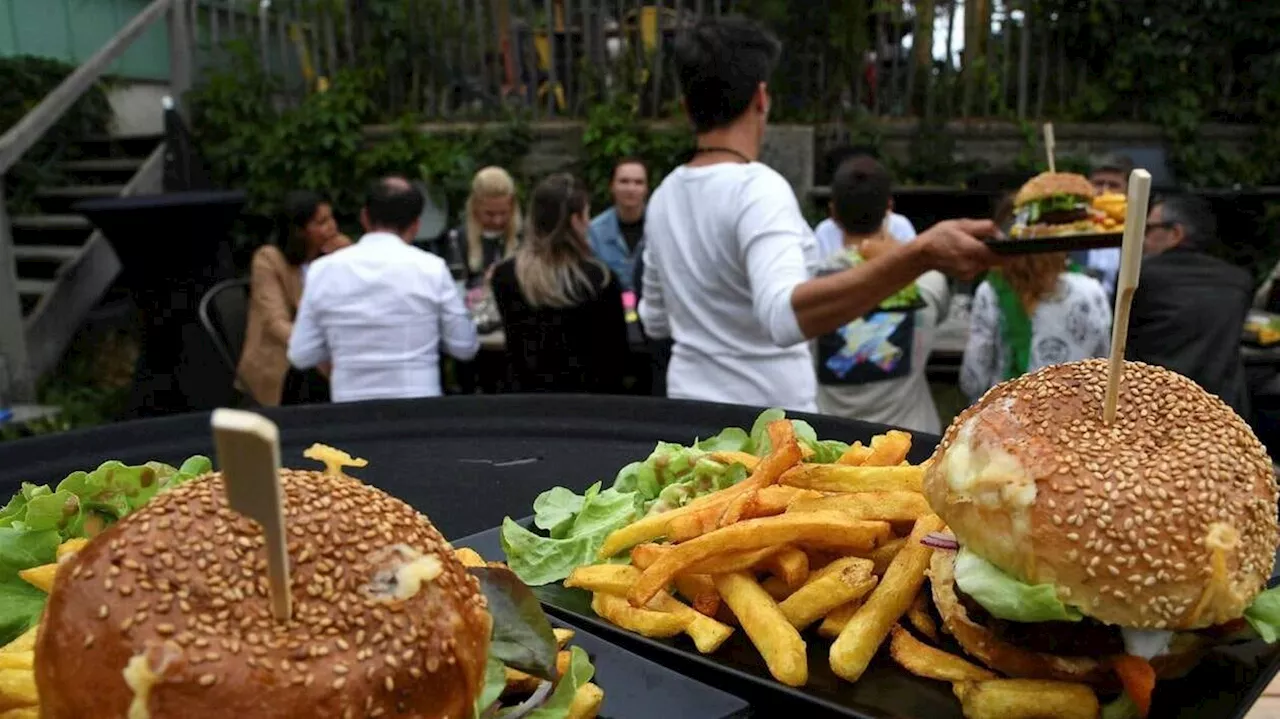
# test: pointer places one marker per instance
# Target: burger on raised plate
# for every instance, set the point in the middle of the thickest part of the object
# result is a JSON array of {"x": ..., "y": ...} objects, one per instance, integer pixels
[
  {"x": 1102, "y": 553},
  {"x": 1057, "y": 203}
]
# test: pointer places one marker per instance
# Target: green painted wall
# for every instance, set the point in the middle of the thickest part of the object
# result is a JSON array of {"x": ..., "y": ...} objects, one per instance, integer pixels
[{"x": 72, "y": 30}]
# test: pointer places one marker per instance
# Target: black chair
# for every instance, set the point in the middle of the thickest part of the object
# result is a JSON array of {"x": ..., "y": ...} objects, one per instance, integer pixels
[{"x": 224, "y": 313}]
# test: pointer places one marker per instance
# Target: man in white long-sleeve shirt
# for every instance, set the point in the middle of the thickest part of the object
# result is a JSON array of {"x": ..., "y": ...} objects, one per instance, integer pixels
[
  {"x": 727, "y": 253},
  {"x": 383, "y": 310}
]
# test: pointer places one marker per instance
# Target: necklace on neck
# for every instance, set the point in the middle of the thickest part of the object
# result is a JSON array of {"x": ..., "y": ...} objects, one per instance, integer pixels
[{"x": 726, "y": 150}]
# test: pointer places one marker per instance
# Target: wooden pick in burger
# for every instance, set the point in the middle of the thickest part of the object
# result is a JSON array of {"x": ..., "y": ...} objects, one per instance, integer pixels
[
  {"x": 248, "y": 446},
  {"x": 1135, "y": 228},
  {"x": 1049, "y": 145}
]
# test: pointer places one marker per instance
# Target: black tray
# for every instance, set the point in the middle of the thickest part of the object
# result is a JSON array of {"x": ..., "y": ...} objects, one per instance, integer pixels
[
  {"x": 636, "y": 688},
  {"x": 1062, "y": 243},
  {"x": 1224, "y": 685}
]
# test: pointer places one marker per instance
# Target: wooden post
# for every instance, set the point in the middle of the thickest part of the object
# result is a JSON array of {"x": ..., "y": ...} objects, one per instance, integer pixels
[
  {"x": 179, "y": 53},
  {"x": 13, "y": 333}
]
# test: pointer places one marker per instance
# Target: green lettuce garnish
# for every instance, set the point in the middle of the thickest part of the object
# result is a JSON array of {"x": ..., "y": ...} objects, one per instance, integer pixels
[
  {"x": 1006, "y": 597},
  {"x": 1264, "y": 615},
  {"x": 670, "y": 477},
  {"x": 580, "y": 672},
  {"x": 39, "y": 518},
  {"x": 1121, "y": 708}
]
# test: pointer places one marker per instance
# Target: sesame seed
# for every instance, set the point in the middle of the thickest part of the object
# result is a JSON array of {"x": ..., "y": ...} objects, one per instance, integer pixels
[{"x": 208, "y": 680}]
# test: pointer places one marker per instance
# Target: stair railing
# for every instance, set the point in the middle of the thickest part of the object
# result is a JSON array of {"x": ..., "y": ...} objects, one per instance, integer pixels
[{"x": 27, "y": 132}]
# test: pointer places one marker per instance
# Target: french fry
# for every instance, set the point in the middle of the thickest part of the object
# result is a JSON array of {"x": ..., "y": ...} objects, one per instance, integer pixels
[
  {"x": 835, "y": 621},
  {"x": 707, "y": 633},
  {"x": 17, "y": 688},
  {"x": 520, "y": 683},
  {"x": 777, "y": 641},
  {"x": 918, "y": 615},
  {"x": 841, "y": 478},
  {"x": 563, "y": 658},
  {"x": 642, "y": 555},
  {"x": 734, "y": 561},
  {"x": 841, "y": 582},
  {"x": 860, "y": 638},
  {"x": 607, "y": 578},
  {"x": 746, "y": 460},
  {"x": 26, "y": 642},
  {"x": 736, "y": 509},
  {"x": 40, "y": 577},
  {"x": 17, "y": 660},
  {"x": 884, "y": 506},
  {"x": 563, "y": 636},
  {"x": 925, "y": 661},
  {"x": 791, "y": 565},
  {"x": 776, "y": 588},
  {"x": 646, "y": 622},
  {"x": 883, "y": 555},
  {"x": 1026, "y": 699},
  {"x": 700, "y": 592},
  {"x": 21, "y": 713},
  {"x": 469, "y": 557},
  {"x": 888, "y": 449},
  {"x": 855, "y": 456},
  {"x": 71, "y": 546},
  {"x": 586, "y": 702},
  {"x": 827, "y": 529}
]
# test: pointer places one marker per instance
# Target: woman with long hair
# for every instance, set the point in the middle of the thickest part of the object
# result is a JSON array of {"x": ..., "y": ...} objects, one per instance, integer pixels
[
  {"x": 305, "y": 231},
  {"x": 1032, "y": 311},
  {"x": 491, "y": 226},
  {"x": 561, "y": 306}
]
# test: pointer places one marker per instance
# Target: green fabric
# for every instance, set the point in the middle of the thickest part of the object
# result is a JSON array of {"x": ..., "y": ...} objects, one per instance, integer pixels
[{"x": 1015, "y": 323}]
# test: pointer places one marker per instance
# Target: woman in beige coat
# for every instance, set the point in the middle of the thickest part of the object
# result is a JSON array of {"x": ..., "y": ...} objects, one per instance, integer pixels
[{"x": 307, "y": 231}]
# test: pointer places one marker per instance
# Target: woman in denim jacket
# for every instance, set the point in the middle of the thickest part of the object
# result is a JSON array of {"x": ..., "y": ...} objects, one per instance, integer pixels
[{"x": 616, "y": 233}]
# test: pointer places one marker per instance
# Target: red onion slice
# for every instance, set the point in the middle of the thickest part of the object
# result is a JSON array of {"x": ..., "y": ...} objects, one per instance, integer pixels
[
  {"x": 533, "y": 702},
  {"x": 938, "y": 540}
]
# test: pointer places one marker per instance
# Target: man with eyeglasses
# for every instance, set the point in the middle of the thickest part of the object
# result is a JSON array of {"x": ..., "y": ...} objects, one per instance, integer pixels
[{"x": 1189, "y": 310}]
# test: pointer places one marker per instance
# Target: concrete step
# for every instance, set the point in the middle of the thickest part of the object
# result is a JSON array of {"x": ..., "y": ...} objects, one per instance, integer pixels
[
  {"x": 50, "y": 222},
  {"x": 80, "y": 191},
  {"x": 35, "y": 287},
  {"x": 45, "y": 253},
  {"x": 102, "y": 147},
  {"x": 103, "y": 164}
]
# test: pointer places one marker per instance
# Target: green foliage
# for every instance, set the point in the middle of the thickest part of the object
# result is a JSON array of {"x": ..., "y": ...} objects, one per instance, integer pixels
[
  {"x": 615, "y": 130},
  {"x": 25, "y": 81}
]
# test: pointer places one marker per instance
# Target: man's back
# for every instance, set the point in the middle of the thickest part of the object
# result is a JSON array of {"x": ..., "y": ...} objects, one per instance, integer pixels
[
  {"x": 725, "y": 246},
  {"x": 380, "y": 311},
  {"x": 1188, "y": 315}
]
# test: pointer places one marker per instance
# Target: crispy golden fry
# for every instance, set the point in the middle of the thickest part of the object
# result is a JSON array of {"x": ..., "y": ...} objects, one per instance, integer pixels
[
  {"x": 776, "y": 588},
  {"x": 563, "y": 636},
  {"x": 17, "y": 688},
  {"x": 791, "y": 565},
  {"x": 827, "y": 529},
  {"x": 888, "y": 449},
  {"x": 861, "y": 637},
  {"x": 777, "y": 641},
  {"x": 885, "y": 506},
  {"x": 642, "y": 555},
  {"x": 71, "y": 546},
  {"x": 469, "y": 557},
  {"x": 17, "y": 660},
  {"x": 834, "y": 622},
  {"x": 700, "y": 592},
  {"x": 746, "y": 460},
  {"x": 647, "y": 622},
  {"x": 839, "y": 583},
  {"x": 563, "y": 658},
  {"x": 925, "y": 661},
  {"x": 586, "y": 702},
  {"x": 21, "y": 713},
  {"x": 608, "y": 578},
  {"x": 520, "y": 683},
  {"x": 40, "y": 577},
  {"x": 26, "y": 642},
  {"x": 1026, "y": 699},
  {"x": 841, "y": 478},
  {"x": 707, "y": 633},
  {"x": 734, "y": 561},
  {"x": 884, "y": 554},
  {"x": 736, "y": 509},
  {"x": 855, "y": 456},
  {"x": 645, "y": 529},
  {"x": 920, "y": 618}
]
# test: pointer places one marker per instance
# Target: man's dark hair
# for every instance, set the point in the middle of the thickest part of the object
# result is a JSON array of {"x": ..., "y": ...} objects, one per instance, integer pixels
[
  {"x": 1199, "y": 224},
  {"x": 838, "y": 155},
  {"x": 860, "y": 194},
  {"x": 393, "y": 203},
  {"x": 1115, "y": 162},
  {"x": 629, "y": 160},
  {"x": 720, "y": 63}
]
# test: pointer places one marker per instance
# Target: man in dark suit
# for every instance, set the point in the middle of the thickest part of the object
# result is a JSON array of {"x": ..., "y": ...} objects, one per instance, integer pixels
[{"x": 1189, "y": 309}]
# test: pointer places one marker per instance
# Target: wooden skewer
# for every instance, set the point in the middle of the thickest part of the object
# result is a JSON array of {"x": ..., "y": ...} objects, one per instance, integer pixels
[
  {"x": 1048, "y": 145},
  {"x": 248, "y": 447},
  {"x": 1135, "y": 228}
]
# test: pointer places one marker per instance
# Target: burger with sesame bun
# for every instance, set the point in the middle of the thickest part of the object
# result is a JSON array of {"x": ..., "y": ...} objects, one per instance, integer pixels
[
  {"x": 1109, "y": 554},
  {"x": 1057, "y": 203},
  {"x": 167, "y": 614}
]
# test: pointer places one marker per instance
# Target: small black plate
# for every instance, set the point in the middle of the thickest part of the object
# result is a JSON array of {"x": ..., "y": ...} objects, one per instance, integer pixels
[
  {"x": 1224, "y": 685},
  {"x": 1060, "y": 243},
  {"x": 636, "y": 688}
]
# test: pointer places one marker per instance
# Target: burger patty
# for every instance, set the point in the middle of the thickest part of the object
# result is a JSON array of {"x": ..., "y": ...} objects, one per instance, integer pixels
[
  {"x": 1085, "y": 638},
  {"x": 1063, "y": 217}
]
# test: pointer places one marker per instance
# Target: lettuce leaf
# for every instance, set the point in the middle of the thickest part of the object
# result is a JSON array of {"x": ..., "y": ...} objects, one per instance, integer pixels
[
  {"x": 1264, "y": 615},
  {"x": 495, "y": 680},
  {"x": 21, "y": 603},
  {"x": 1121, "y": 708},
  {"x": 580, "y": 672},
  {"x": 554, "y": 510},
  {"x": 1006, "y": 597}
]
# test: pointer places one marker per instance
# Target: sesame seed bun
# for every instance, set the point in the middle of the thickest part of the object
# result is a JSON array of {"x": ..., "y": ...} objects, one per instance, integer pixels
[
  {"x": 168, "y": 611},
  {"x": 1165, "y": 519},
  {"x": 1047, "y": 184}
]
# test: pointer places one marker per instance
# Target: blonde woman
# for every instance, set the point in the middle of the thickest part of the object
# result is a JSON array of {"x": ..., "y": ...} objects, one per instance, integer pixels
[
  {"x": 561, "y": 306},
  {"x": 491, "y": 227},
  {"x": 1033, "y": 311}
]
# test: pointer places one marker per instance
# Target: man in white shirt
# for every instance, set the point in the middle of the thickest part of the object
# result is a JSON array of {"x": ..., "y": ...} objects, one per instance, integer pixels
[
  {"x": 830, "y": 236},
  {"x": 382, "y": 310},
  {"x": 725, "y": 270}
]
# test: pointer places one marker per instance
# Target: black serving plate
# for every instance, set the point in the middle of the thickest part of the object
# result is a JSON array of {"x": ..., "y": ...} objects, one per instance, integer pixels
[
  {"x": 1224, "y": 685},
  {"x": 1063, "y": 243},
  {"x": 636, "y": 688}
]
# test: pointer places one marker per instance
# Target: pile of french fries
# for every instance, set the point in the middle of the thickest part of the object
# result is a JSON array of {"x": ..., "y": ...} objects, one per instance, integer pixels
[{"x": 798, "y": 548}]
